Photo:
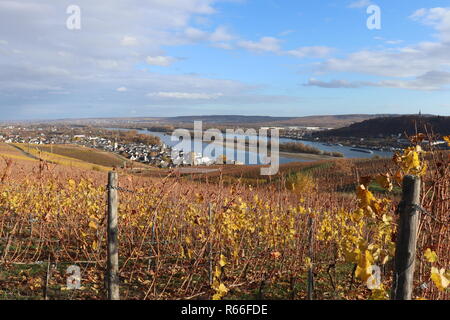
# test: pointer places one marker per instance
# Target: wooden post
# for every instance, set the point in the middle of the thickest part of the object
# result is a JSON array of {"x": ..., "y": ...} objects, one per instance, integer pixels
[
  {"x": 405, "y": 253},
  {"x": 210, "y": 214},
  {"x": 311, "y": 257},
  {"x": 113, "y": 253},
  {"x": 151, "y": 261},
  {"x": 47, "y": 279}
]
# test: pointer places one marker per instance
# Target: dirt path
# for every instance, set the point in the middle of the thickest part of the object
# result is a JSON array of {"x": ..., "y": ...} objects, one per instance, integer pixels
[{"x": 25, "y": 153}]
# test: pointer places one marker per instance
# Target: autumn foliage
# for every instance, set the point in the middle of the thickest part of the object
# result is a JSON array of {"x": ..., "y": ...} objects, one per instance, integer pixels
[{"x": 254, "y": 237}]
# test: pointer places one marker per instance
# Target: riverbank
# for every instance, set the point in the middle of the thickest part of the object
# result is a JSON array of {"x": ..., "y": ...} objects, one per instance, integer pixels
[
  {"x": 346, "y": 151},
  {"x": 306, "y": 156},
  {"x": 282, "y": 154}
]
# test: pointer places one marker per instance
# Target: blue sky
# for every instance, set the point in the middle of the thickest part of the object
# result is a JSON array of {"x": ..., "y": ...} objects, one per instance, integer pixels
[{"x": 191, "y": 57}]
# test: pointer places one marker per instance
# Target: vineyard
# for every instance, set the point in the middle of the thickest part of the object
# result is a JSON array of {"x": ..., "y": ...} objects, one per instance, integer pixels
[{"x": 321, "y": 226}]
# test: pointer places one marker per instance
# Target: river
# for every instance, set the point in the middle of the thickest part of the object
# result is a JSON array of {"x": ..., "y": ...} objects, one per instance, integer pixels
[{"x": 166, "y": 138}]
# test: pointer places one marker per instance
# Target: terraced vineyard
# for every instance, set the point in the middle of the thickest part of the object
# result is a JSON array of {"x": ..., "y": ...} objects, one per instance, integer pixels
[{"x": 218, "y": 237}]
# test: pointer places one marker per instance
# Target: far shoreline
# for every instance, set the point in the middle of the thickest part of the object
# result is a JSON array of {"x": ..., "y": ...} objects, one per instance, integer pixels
[{"x": 283, "y": 154}]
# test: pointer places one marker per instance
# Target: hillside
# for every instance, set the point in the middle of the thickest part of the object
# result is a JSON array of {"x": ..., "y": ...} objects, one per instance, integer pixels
[
  {"x": 332, "y": 121},
  {"x": 386, "y": 126},
  {"x": 224, "y": 119},
  {"x": 89, "y": 155},
  {"x": 329, "y": 121},
  {"x": 65, "y": 155}
]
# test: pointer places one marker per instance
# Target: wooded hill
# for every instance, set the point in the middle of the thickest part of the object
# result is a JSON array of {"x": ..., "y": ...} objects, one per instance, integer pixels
[{"x": 386, "y": 126}]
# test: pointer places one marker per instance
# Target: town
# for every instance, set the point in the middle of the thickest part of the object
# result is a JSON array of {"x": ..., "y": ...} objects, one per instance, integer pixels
[{"x": 150, "y": 151}]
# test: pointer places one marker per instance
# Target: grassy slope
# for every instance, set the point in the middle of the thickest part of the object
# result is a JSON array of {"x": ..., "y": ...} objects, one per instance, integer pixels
[
  {"x": 67, "y": 155},
  {"x": 84, "y": 154},
  {"x": 11, "y": 152}
]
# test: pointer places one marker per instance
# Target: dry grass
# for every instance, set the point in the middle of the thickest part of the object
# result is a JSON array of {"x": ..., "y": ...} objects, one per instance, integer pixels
[
  {"x": 13, "y": 153},
  {"x": 261, "y": 229},
  {"x": 90, "y": 155}
]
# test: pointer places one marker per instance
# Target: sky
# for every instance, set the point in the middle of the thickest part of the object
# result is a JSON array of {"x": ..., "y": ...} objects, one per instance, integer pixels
[{"x": 290, "y": 58}]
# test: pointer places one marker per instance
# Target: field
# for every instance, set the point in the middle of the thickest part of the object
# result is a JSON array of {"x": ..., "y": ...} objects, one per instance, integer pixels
[
  {"x": 84, "y": 154},
  {"x": 10, "y": 152},
  {"x": 224, "y": 235}
]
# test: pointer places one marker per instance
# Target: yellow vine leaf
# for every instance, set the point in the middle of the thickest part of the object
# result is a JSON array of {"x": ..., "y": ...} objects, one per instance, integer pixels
[
  {"x": 430, "y": 255},
  {"x": 380, "y": 294},
  {"x": 217, "y": 272},
  {"x": 410, "y": 161},
  {"x": 447, "y": 139},
  {"x": 223, "y": 261},
  {"x": 439, "y": 278},
  {"x": 364, "y": 267},
  {"x": 93, "y": 225},
  {"x": 308, "y": 262},
  {"x": 387, "y": 219},
  {"x": 221, "y": 291},
  {"x": 384, "y": 180},
  {"x": 367, "y": 199}
]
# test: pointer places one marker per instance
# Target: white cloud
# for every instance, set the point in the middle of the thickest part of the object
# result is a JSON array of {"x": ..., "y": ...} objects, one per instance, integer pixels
[
  {"x": 114, "y": 39},
  {"x": 430, "y": 81},
  {"x": 439, "y": 18},
  {"x": 392, "y": 42},
  {"x": 271, "y": 44},
  {"x": 107, "y": 64},
  {"x": 129, "y": 41},
  {"x": 286, "y": 32},
  {"x": 23, "y": 6},
  {"x": 417, "y": 62},
  {"x": 334, "y": 84},
  {"x": 265, "y": 44},
  {"x": 160, "y": 61},
  {"x": 185, "y": 95},
  {"x": 195, "y": 34},
  {"x": 360, "y": 4},
  {"x": 223, "y": 45},
  {"x": 409, "y": 62},
  {"x": 221, "y": 34},
  {"x": 313, "y": 52}
]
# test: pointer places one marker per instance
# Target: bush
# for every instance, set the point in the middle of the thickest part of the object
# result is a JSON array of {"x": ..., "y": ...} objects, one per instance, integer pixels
[
  {"x": 299, "y": 148},
  {"x": 301, "y": 183}
]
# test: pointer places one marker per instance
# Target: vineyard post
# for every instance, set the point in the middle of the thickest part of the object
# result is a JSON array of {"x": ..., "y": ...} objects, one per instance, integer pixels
[
  {"x": 405, "y": 253},
  {"x": 210, "y": 214},
  {"x": 151, "y": 260},
  {"x": 311, "y": 257},
  {"x": 113, "y": 253}
]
